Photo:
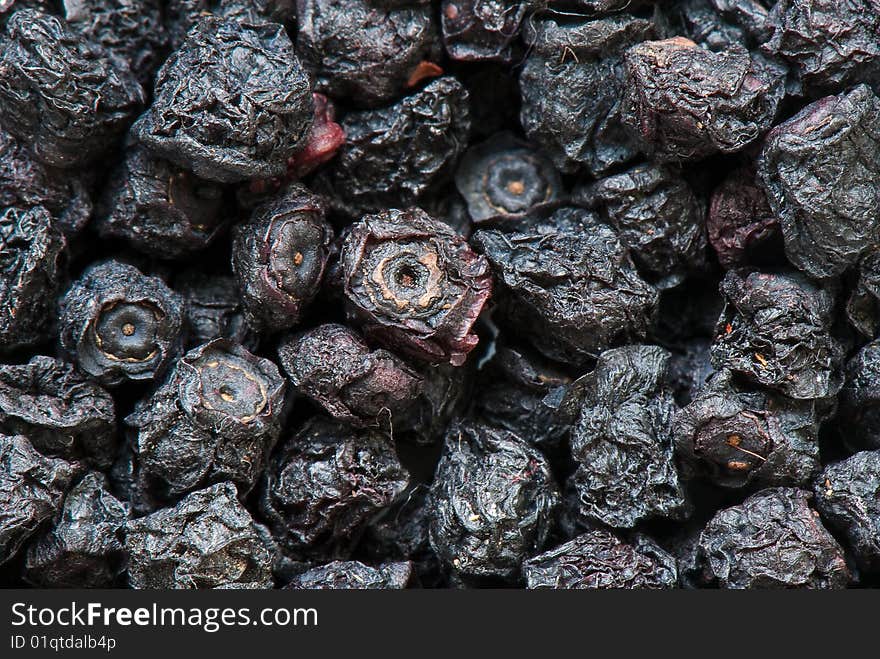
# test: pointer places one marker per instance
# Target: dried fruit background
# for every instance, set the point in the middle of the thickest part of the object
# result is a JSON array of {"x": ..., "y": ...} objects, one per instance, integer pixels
[{"x": 440, "y": 293}]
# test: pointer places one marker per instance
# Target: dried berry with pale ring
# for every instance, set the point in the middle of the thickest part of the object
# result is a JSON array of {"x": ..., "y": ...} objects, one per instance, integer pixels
[
  {"x": 62, "y": 412},
  {"x": 161, "y": 209},
  {"x": 337, "y": 370},
  {"x": 414, "y": 285},
  {"x": 279, "y": 258},
  {"x": 215, "y": 419},
  {"x": 233, "y": 103},
  {"x": 31, "y": 249},
  {"x": 119, "y": 324},
  {"x": 504, "y": 178},
  {"x": 60, "y": 93}
]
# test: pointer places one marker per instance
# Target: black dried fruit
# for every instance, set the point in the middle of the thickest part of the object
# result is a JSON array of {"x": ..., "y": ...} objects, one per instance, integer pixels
[
  {"x": 208, "y": 540},
  {"x": 493, "y": 502},
  {"x": 363, "y": 51},
  {"x": 60, "y": 93},
  {"x": 395, "y": 154},
  {"x": 335, "y": 368},
  {"x": 119, "y": 324},
  {"x": 774, "y": 539},
  {"x": 847, "y": 493},
  {"x": 686, "y": 102},
  {"x": 736, "y": 436},
  {"x": 599, "y": 559},
  {"x": 161, "y": 209},
  {"x": 32, "y": 489},
  {"x": 354, "y": 575},
  {"x": 818, "y": 171},
  {"x": 84, "y": 547},
  {"x": 215, "y": 419},
  {"x": 181, "y": 15},
  {"x": 829, "y": 43},
  {"x": 414, "y": 285},
  {"x": 214, "y": 310},
  {"x": 279, "y": 258},
  {"x": 61, "y": 412},
  {"x": 25, "y": 181},
  {"x": 860, "y": 400},
  {"x": 572, "y": 86},
  {"x": 233, "y": 103},
  {"x": 482, "y": 30},
  {"x": 505, "y": 178},
  {"x": 31, "y": 264},
  {"x": 776, "y": 330},
  {"x": 568, "y": 284},
  {"x": 621, "y": 441},
  {"x": 326, "y": 482},
  {"x": 657, "y": 216}
]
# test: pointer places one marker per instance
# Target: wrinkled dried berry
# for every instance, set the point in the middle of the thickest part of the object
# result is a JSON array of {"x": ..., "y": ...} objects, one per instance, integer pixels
[
  {"x": 568, "y": 284},
  {"x": 353, "y": 575},
  {"x": 119, "y": 324},
  {"x": 738, "y": 437},
  {"x": 334, "y": 367},
  {"x": 279, "y": 258},
  {"x": 482, "y": 30},
  {"x": 776, "y": 330},
  {"x": 214, "y": 310},
  {"x": 208, "y": 540},
  {"x": 60, "y": 411},
  {"x": 233, "y": 103},
  {"x": 326, "y": 482},
  {"x": 599, "y": 559},
  {"x": 493, "y": 501},
  {"x": 414, "y": 285},
  {"x": 215, "y": 419},
  {"x": 60, "y": 93},
  {"x": 860, "y": 399},
  {"x": 31, "y": 264},
  {"x": 772, "y": 540},
  {"x": 84, "y": 547}
]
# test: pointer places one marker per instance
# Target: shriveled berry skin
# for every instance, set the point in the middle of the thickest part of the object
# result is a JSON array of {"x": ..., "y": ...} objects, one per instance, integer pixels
[
  {"x": 774, "y": 539},
  {"x": 181, "y": 15},
  {"x": 481, "y": 30},
  {"x": 25, "y": 182},
  {"x": 362, "y": 51},
  {"x": 685, "y": 102},
  {"x": 830, "y": 44},
  {"x": 657, "y": 216},
  {"x": 414, "y": 285},
  {"x": 214, "y": 310},
  {"x": 279, "y": 258},
  {"x": 228, "y": 551},
  {"x": 740, "y": 220},
  {"x": 32, "y": 489},
  {"x": 738, "y": 437},
  {"x": 161, "y": 209},
  {"x": 215, "y": 419},
  {"x": 394, "y": 155},
  {"x": 334, "y": 367},
  {"x": 621, "y": 441},
  {"x": 131, "y": 31},
  {"x": 818, "y": 170},
  {"x": 567, "y": 283},
  {"x": 31, "y": 265},
  {"x": 505, "y": 178},
  {"x": 120, "y": 325},
  {"x": 775, "y": 329},
  {"x": 847, "y": 493},
  {"x": 325, "y": 483},
  {"x": 572, "y": 86},
  {"x": 84, "y": 547},
  {"x": 233, "y": 103},
  {"x": 76, "y": 120},
  {"x": 60, "y": 411},
  {"x": 863, "y": 304},
  {"x": 354, "y": 575},
  {"x": 493, "y": 502},
  {"x": 598, "y": 560},
  {"x": 718, "y": 24}
]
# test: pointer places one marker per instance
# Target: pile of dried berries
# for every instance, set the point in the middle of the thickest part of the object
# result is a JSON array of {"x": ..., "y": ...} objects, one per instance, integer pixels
[{"x": 440, "y": 293}]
